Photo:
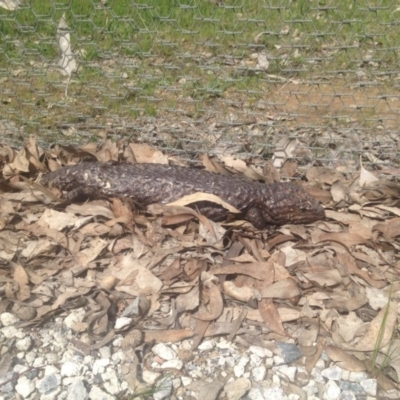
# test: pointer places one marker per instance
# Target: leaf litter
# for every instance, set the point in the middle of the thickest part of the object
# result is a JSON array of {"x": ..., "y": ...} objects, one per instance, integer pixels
[{"x": 169, "y": 274}]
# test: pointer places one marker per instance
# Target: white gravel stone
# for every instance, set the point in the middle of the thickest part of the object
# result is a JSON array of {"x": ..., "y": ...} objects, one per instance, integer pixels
[
  {"x": 332, "y": 391},
  {"x": 100, "y": 365},
  {"x": 286, "y": 372},
  {"x": 54, "y": 395},
  {"x": 75, "y": 316},
  {"x": 97, "y": 394},
  {"x": 70, "y": 368},
  {"x": 163, "y": 351},
  {"x": 261, "y": 352},
  {"x": 24, "y": 344},
  {"x": 105, "y": 352},
  {"x": 165, "y": 390},
  {"x": 293, "y": 396},
  {"x": 259, "y": 373},
  {"x": 150, "y": 377},
  {"x": 51, "y": 369},
  {"x": 24, "y": 386},
  {"x": 49, "y": 383},
  {"x": 186, "y": 380},
  {"x": 255, "y": 394},
  {"x": 347, "y": 395},
  {"x": 30, "y": 357},
  {"x": 20, "y": 369},
  {"x": 175, "y": 364},
  {"x": 238, "y": 370},
  {"x": 77, "y": 390},
  {"x": 255, "y": 360},
  {"x": 333, "y": 373},
  {"x": 207, "y": 345},
  {"x": 122, "y": 322},
  {"x": 275, "y": 393},
  {"x": 358, "y": 376},
  {"x": 8, "y": 319},
  {"x": 237, "y": 389},
  {"x": 9, "y": 332},
  {"x": 311, "y": 388},
  {"x": 278, "y": 360},
  {"x": 370, "y": 386},
  {"x": 38, "y": 362}
]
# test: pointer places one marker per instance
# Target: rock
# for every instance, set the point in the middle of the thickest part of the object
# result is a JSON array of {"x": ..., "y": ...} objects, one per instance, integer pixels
[
  {"x": 8, "y": 319},
  {"x": 286, "y": 372},
  {"x": 48, "y": 383},
  {"x": 370, "y": 387},
  {"x": 174, "y": 364},
  {"x": 164, "y": 352},
  {"x": 333, "y": 373},
  {"x": 122, "y": 322},
  {"x": 7, "y": 382},
  {"x": 206, "y": 345},
  {"x": 100, "y": 365},
  {"x": 24, "y": 344},
  {"x": 150, "y": 377},
  {"x": 332, "y": 391},
  {"x": 24, "y": 386},
  {"x": 289, "y": 352},
  {"x": 236, "y": 389},
  {"x": 240, "y": 367},
  {"x": 74, "y": 317},
  {"x": 260, "y": 351},
  {"x": 275, "y": 393},
  {"x": 70, "y": 368},
  {"x": 97, "y": 394},
  {"x": 255, "y": 394},
  {"x": 9, "y": 332},
  {"x": 164, "y": 391},
  {"x": 259, "y": 373},
  {"x": 77, "y": 390}
]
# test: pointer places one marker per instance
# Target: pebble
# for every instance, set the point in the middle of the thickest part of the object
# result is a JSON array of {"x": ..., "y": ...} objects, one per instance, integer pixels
[
  {"x": 165, "y": 390},
  {"x": 70, "y": 369},
  {"x": 237, "y": 389},
  {"x": 77, "y": 390},
  {"x": 370, "y": 386},
  {"x": 259, "y": 373},
  {"x": 332, "y": 391},
  {"x": 25, "y": 386},
  {"x": 8, "y": 319},
  {"x": 334, "y": 373},
  {"x": 48, "y": 383},
  {"x": 122, "y": 323},
  {"x": 164, "y": 351},
  {"x": 174, "y": 364},
  {"x": 24, "y": 344}
]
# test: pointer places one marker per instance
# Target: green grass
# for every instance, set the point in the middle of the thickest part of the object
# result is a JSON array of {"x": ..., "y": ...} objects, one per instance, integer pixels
[{"x": 191, "y": 39}]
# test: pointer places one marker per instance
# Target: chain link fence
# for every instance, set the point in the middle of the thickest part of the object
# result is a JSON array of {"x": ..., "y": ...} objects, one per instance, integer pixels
[{"x": 241, "y": 77}]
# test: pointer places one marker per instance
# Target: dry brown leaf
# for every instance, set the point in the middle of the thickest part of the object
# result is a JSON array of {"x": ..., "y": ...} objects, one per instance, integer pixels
[
  {"x": 146, "y": 154},
  {"x": 366, "y": 177},
  {"x": 21, "y": 278},
  {"x": 283, "y": 289},
  {"x": 343, "y": 359},
  {"x": 346, "y": 239},
  {"x": 349, "y": 263},
  {"x": 380, "y": 329},
  {"x": 91, "y": 252},
  {"x": 324, "y": 175},
  {"x": 211, "y": 302},
  {"x": 325, "y": 278},
  {"x": 271, "y": 317},
  {"x": 257, "y": 270},
  {"x": 311, "y": 360},
  {"x": 21, "y": 162},
  {"x": 244, "y": 294},
  {"x": 200, "y": 196},
  {"x": 90, "y": 209},
  {"x": 389, "y": 229}
]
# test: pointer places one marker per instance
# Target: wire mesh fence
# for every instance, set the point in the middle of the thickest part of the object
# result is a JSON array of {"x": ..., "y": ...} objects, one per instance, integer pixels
[{"x": 190, "y": 76}]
